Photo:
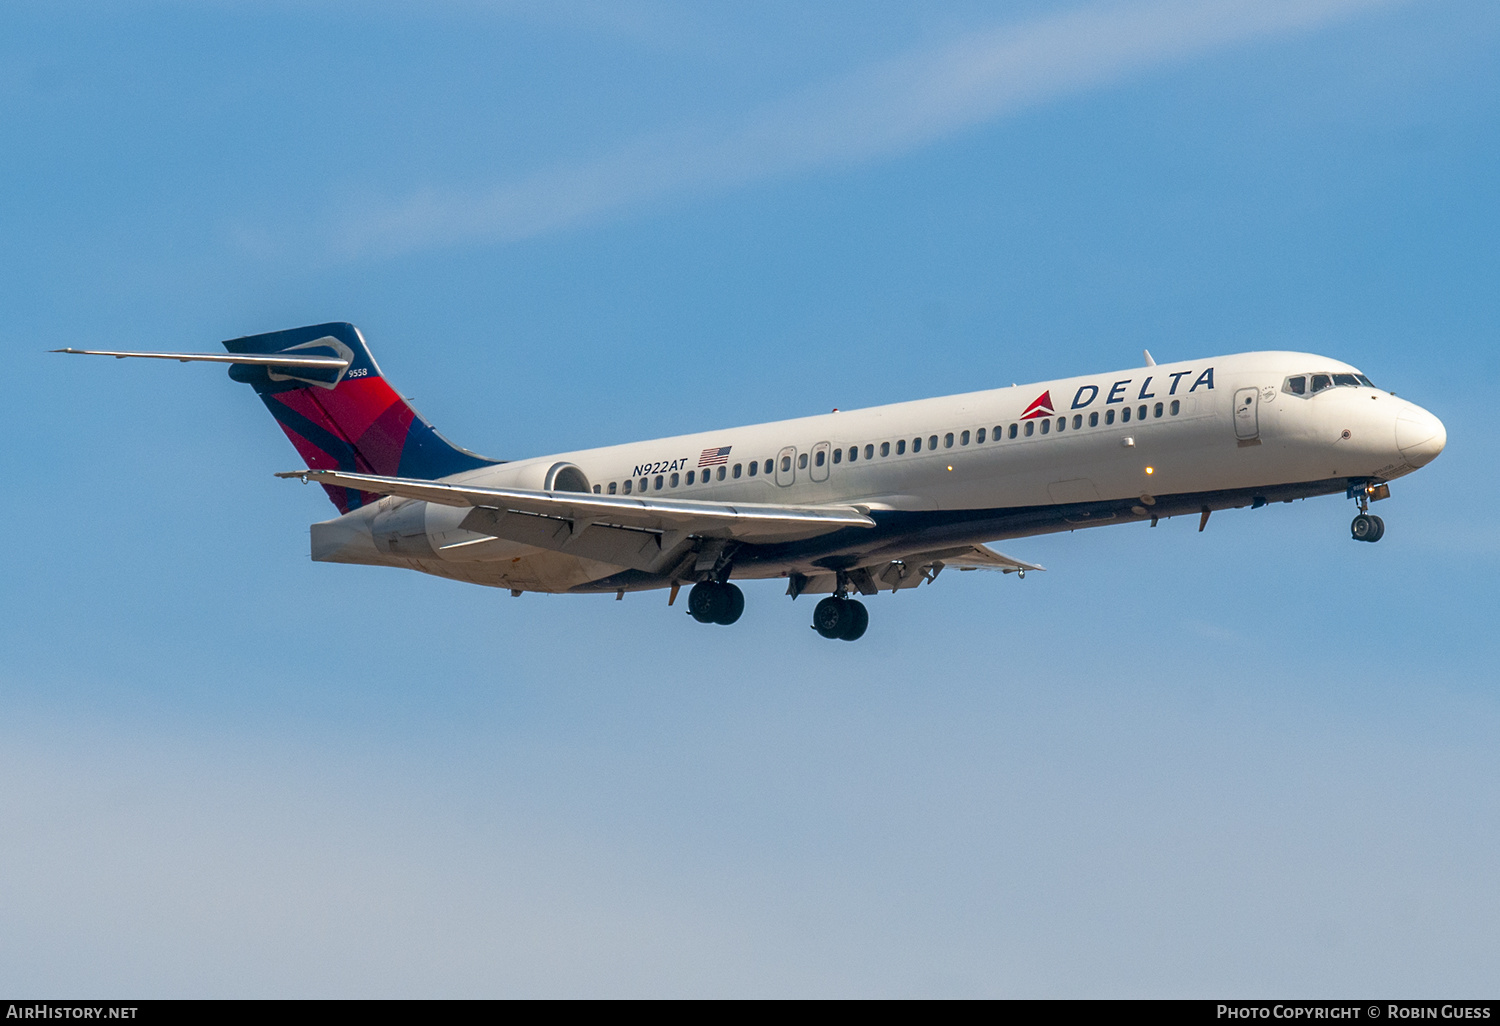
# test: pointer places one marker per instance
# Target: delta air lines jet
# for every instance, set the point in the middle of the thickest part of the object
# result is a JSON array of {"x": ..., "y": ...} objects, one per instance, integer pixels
[{"x": 860, "y": 501}]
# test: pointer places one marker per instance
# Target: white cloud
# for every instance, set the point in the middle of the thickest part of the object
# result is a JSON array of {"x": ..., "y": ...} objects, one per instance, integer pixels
[{"x": 877, "y": 112}]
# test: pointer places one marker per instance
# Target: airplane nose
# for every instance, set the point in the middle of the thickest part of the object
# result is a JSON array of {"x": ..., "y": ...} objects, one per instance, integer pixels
[{"x": 1420, "y": 436}]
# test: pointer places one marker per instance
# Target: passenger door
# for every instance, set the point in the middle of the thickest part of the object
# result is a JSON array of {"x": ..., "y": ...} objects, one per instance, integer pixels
[
  {"x": 819, "y": 469},
  {"x": 1246, "y": 414},
  {"x": 786, "y": 466}
]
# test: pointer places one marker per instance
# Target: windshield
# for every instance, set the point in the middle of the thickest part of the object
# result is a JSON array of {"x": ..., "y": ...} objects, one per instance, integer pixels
[{"x": 1313, "y": 383}]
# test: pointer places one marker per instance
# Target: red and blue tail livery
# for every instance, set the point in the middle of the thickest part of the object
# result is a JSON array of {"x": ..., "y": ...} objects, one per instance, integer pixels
[{"x": 347, "y": 419}]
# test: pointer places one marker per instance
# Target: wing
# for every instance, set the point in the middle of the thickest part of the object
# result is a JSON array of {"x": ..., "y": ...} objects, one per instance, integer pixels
[{"x": 745, "y": 521}]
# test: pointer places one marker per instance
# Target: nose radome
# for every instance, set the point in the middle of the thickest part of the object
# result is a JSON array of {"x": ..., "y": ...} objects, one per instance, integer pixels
[{"x": 1420, "y": 436}]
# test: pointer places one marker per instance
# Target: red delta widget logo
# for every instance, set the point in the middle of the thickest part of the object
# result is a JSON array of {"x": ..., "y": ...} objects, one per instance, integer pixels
[{"x": 1041, "y": 406}]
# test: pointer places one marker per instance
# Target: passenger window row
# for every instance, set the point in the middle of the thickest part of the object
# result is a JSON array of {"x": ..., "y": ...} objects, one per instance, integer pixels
[{"x": 854, "y": 453}]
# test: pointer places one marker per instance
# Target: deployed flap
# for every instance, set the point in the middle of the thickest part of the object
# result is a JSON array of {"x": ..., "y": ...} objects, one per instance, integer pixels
[
  {"x": 910, "y": 571},
  {"x": 747, "y": 520},
  {"x": 979, "y": 557}
]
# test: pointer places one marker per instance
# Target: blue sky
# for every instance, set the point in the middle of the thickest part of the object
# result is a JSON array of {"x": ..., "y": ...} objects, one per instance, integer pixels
[{"x": 1259, "y": 760}]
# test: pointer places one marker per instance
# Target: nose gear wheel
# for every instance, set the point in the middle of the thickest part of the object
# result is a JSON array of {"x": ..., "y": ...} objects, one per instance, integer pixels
[{"x": 1367, "y": 527}]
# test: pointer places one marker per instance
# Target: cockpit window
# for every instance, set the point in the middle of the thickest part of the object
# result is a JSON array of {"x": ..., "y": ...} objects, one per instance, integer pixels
[{"x": 1311, "y": 384}]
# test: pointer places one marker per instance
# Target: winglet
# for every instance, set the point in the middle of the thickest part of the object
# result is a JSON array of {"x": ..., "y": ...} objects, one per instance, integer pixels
[{"x": 1149, "y": 361}]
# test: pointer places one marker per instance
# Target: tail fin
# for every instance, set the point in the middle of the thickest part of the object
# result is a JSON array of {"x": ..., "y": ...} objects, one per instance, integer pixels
[{"x": 346, "y": 419}]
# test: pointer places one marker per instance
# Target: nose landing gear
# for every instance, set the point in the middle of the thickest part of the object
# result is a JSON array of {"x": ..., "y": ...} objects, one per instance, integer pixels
[{"x": 1367, "y": 527}]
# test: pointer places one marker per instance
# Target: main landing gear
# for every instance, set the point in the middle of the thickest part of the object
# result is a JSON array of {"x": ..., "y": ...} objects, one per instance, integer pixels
[
  {"x": 712, "y": 602},
  {"x": 842, "y": 618}
]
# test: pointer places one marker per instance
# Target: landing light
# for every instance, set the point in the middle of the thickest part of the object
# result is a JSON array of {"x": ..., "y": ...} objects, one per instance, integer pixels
[
  {"x": 950, "y": 466},
  {"x": 1150, "y": 470}
]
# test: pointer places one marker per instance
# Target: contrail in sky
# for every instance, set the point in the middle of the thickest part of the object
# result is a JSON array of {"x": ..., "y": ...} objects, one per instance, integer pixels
[{"x": 876, "y": 112}]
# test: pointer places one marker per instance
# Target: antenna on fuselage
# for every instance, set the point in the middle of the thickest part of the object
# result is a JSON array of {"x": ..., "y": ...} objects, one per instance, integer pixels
[{"x": 1149, "y": 361}]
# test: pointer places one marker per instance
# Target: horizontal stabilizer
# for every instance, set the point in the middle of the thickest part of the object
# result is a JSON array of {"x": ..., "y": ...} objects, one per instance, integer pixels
[
  {"x": 271, "y": 360},
  {"x": 748, "y": 520}
]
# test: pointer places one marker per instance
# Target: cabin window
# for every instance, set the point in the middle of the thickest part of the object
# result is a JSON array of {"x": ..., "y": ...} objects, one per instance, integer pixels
[
  {"x": 612, "y": 487},
  {"x": 1094, "y": 419},
  {"x": 1296, "y": 385},
  {"x": 675, "y": 481},
  {"x": 658, "y": 482},
  {"x": 1046, "y": 426},
  {"x": 1109, "y": 416},
  {"x": 802, "y": 461},
  {"x": 627, "y": 487},
  {"x": 900, "y": 446},
  {"x": 1030, "y": 427},
  {"x": 1141, "y": 413},
  {"x": 737, "y": 470},
  {"x": 786, "y": 464},
  {"x": 1176, "y": 406},
  {"x": 753, "y": 468},
  {"x": 1156, "y": 411},
  {"x": 916, "y": 445},
  {"x": 691, "y": 476},
  {"x": 979, "y": 437},
  {"x": 1012, "y": 431},
  {"x": 821, "y": 458},
  {"x": 1062, "y": 422},
  {"x": 838, "y": 455},
  {"x": 853, "y": 453},
  {"x": 767, "y": 467},
  {"x": 869, "y": 452},
  {"x": 596, "y": 489},
  {"x": 963, "y": 439},
  {"x": 1125, "y": 415},
  {"x": 885, "y": 448},
  {"x": 932, "y": 442}
]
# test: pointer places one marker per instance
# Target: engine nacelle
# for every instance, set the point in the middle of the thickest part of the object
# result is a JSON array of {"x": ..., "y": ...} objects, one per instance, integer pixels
[{"x": 539, "y": 476}]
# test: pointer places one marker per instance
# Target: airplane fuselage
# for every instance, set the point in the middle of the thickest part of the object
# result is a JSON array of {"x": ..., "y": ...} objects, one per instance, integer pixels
[{"x": 1122, "y": 447}]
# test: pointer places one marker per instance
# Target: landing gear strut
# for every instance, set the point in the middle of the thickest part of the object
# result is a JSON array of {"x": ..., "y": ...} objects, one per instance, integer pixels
[
  {"x": 712, "y": 602},
  {"x": 842, "y": 618},
  {"x": 1367, "y": 527}
]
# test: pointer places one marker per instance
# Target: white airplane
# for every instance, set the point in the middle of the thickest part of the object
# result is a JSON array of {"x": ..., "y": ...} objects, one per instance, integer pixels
[{"x": 855, "y": 501}]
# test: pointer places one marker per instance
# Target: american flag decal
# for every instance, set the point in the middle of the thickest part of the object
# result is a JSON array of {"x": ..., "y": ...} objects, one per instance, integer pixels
[{"x": 713, "y": 457}]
